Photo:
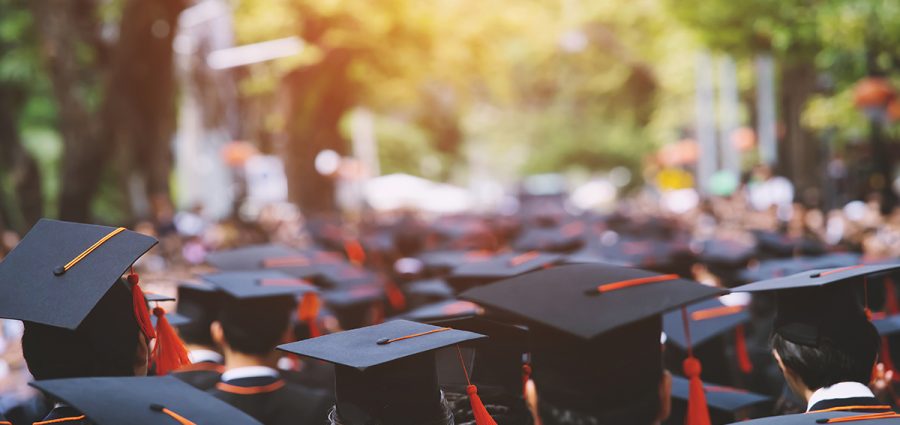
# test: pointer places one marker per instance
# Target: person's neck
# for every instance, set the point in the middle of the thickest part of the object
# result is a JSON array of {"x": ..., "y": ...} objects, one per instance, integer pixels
[{"x": 234, "y": 360}]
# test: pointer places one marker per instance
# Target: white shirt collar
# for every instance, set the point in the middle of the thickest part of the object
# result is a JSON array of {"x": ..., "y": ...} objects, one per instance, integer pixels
[
  {"x": 249, "y": 372},
  {"x": 200, "y": 356},
  {"x": 838, "y": 391}
]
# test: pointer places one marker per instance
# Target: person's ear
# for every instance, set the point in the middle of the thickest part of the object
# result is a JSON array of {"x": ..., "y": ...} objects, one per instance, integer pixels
[
  {"x": 665, "y": 397},
  {"x": 217, "y": 333}
]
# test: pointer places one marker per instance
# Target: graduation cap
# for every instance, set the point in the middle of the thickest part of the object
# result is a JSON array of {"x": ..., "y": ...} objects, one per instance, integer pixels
[
  {"x": 443, "y": 262},
  {"x": 427, "y": 291},
  {"x": 385, "y": 373},
  {"x": 175, "y": 319},
  {"x": 249, "y": 257},
  {"x": 561, "y": 239},
  {"x": 595, "y": 323},
  {"x": 153, "y": 297},
  {"x": 500, "y": 267},
  {"x": 448, "y": 309},
  {"x": 61, "y": 271},
  {"x": 721, "y": 398},
  {"x": 142, "y": 401},
  {"x": 817, "y": 418},
  {"x": 355, "y": 306},
  {"x": 822, "y": 304},
  {"x": 266, "y": 294}
]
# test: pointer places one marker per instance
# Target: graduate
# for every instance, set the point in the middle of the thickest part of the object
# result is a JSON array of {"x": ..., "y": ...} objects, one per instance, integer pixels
[
  {"x": 82, "y": 319},
  {"x": 596, "y": 352},
  {"x": 824, "y": 341},
  {"x": 386, "y": 374},
  {"x": 200, "y": 304},
  {"x": 255, "y": 318}
]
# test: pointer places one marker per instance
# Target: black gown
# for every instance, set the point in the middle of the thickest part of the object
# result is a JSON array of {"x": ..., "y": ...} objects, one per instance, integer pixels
[
  {"x": 274, "y": 401},
  {"x": 200, "y": 375}
]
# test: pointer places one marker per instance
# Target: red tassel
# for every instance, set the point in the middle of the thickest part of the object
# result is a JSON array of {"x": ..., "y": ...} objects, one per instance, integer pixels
[
  {"x": 482, "y": 417},
  {"x": 526, "y": 376},
  {"x": 891, "y": 305},
  {"x": 355, "y": 252},
  {"x": 395, "y": 296},
  {"x": 308, "y": 313},
  {"x": 139, "y": 303},
  {"x": 169, "y": 353},
  {"x": 697, "y": 411},
  {"x": 740, "y": 347}
]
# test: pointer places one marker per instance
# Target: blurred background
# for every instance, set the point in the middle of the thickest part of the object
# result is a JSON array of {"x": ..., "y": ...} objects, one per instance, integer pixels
[{"x": 129, "y": 111}]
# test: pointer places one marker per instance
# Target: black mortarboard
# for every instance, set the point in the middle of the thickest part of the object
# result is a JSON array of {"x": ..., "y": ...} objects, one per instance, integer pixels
[
  {"x": 427, "y": 291},
  {"x": 567, "y": 299},
  {"x": 443, "y": 262},
  {"x": 142, "y": 401},
  {"x": 174, "y": 319},
  {"x": 593, "y": 325},
  {"x": 718, "y": 397},
  {"x": 822, "y": 418},
  {"x": 385, "y": 373},
  {"x": 821, "y": 304},
  {"x": 707, "y": 319},
  {"x": 354, "y": 305},
  {"x": 153, "y": 297},
  {"x": 258, "y": 284},
  {"x": 500, "y": 267},
  {"x": 36, "y": 286},
  {"x": 248, "y": 257},
  {"x": 442, "y": 310},
  {"x": 560, "y": 239},
  {"x": 887, "y": 325}
]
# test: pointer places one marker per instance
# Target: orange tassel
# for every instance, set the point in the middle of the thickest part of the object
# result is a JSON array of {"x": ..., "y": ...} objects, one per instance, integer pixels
[
  {"x": 482, "y": 417},
  {"x": 890, "y": 297},
  {"x": 308, "y": 313},
  {"x": 139, "y": 303},
  {"x": 395, "y": 296},
  {"x": 697, "y": 410},
  {"x": 740, "y": 347},
  {"x": 169, "y": 353},
  {"x": 355, "y": 252},
  {"x": 526, "y": 376}
]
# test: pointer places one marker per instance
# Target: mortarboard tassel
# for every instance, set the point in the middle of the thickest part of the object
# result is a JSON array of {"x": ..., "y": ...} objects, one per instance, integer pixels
[
  {"x": 526, "y": 376},
  {"x": 697, "y": 410},
  {"x": 139, "y": 303},
  {"x": 162, "y": 409},
  {"x": 482, "y": 417},
  {"x": 891, "y": 306},
  {"x": 395, "y": 296},
  {"x": 308, "y": 313},
  {"x": 169, "y": 353},
  {"x": 355, "y": 252},
  {"x": 740, "y": 348}
]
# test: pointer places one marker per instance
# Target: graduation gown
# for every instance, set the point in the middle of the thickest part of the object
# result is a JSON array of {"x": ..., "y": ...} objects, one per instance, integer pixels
[
  {"x": 64, "y": 415},
  {"x": 28, "y": 411},
  {"x": 274, "y": 401},
  {"x": 852, "y": 404},
  {"x": 201, "y": 375}
]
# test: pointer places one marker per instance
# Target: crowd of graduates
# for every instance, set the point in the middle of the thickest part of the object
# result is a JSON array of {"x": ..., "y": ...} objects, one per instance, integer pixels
[{"x": 641, "y": 316}]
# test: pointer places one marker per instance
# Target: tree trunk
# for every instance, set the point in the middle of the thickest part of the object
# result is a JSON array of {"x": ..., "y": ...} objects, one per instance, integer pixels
[
  {"x": 320, "y": 95},
  {"x": 799, "y": 156},
  {"x": 28, "y": 204},
  {"x": 60, "y": 38}
]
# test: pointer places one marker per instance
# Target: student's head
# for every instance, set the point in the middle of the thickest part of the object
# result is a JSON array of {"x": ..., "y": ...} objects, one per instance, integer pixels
[
  {"x": 253, "y": 326},
  {"x": 107, "y": 343},
  {"x": 822, "y": 337}
]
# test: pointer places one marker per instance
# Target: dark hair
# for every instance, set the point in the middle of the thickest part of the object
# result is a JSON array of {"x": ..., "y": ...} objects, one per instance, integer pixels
[
  {"x": 256, "y": 326},
  {"x": 830, "y": 362},
  {"x": 105, "y": 344}
]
